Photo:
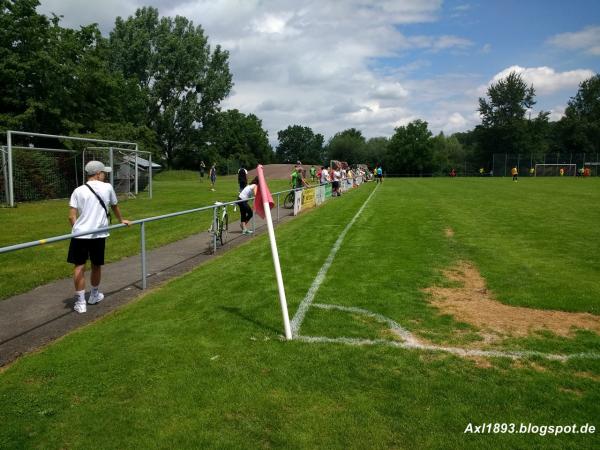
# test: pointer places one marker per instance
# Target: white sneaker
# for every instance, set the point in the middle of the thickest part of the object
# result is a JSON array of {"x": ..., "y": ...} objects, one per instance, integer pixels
[
  {"x": 95, "y": 298},
  {"x": 79, "y": 306}
]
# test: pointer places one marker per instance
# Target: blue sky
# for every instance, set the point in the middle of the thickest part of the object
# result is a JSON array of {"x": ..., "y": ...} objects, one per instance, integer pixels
[{"x": 376, "y": 65}]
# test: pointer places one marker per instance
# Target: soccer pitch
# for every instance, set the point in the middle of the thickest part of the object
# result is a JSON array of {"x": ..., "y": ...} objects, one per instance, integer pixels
[{"x": 452, "y": 263}]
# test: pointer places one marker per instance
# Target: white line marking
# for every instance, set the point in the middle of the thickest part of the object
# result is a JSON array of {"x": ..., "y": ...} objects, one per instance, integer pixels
[
  {"x": 310, "y": 295},
  {"x": 410, "y": 342}
]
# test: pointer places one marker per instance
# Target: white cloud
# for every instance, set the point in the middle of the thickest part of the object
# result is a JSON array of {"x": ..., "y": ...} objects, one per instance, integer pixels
[
  {"x": 546, "y": 80},
  {"x": 315, "y": 62},
  {"x": 587, "y": 40},
  {"x": 557, "y": 113}
]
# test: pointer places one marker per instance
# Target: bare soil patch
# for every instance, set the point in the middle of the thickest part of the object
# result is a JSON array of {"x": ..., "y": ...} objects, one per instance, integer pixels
[
  {"x": 471, "y": 302},
  {"x": 449, "y": 232}
]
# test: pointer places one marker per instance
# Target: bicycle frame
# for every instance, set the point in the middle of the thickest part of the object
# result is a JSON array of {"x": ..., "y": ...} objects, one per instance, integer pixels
[{"x": 220, "y": 226}]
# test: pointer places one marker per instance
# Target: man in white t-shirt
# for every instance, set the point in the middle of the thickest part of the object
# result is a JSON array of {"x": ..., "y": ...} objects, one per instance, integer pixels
[
  {"x": 324, "y": 175},
  {"x": 89, "y": 211},
  {"x": 335, "y": 185}
]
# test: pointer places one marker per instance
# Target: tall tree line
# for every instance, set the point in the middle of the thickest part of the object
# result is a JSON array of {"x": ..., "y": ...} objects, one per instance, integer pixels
[{"x": 506, "y": 127}]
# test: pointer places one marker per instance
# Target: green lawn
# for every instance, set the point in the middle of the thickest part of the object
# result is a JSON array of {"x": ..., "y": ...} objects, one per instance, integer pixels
[
  {"x": 174, "y": 191},
  {"x": 199, "y": 363}
]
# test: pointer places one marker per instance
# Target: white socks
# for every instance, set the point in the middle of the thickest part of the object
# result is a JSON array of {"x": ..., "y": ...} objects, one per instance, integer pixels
[{"x": 80, "y": 295}]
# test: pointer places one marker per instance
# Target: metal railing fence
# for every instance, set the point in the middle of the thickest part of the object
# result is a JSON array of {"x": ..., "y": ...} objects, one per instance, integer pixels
[{"x": 142, "y": 222}]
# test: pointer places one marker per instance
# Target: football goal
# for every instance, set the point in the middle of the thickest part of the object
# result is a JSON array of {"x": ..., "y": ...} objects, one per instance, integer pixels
[
  {"x": 555, "y": 170},
  {"x": 37, "y": 166}
]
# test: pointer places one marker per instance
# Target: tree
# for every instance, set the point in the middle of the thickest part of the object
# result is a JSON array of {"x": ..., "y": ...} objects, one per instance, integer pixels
[
  {"x": 375, "y": 151},
  {"x": 348, "y": 145},
  {"x": 57, "y": 80},
  {"x": 509, "y": 100},
  {"x": 579, "y": 130},
  {"x": 172, "y": 62},
  {"x": 504, "y": 127},
  {"x": 238, "y": 139},
  {"x": 410, "y": 150},
  {"x": 447, "y": 153},
  {"x": 298, "y": 143}
]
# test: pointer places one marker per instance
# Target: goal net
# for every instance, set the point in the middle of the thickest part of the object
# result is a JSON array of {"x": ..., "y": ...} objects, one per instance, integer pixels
[
  {"x": 40, "y": 173},
  {"x": 555, "y": 170}
]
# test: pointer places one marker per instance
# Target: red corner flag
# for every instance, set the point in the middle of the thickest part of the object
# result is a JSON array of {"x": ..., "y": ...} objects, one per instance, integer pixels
[{"x": 262, "y": 195}]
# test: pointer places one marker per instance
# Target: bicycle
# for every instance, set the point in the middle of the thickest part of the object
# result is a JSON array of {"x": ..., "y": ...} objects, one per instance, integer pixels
[
  {"x": 222, "y": 225},
  {"x": 288, "y": 201}
]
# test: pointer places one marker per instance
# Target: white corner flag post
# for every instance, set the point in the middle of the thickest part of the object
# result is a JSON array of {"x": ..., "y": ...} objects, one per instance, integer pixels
[{"x": 275, "y": 254}]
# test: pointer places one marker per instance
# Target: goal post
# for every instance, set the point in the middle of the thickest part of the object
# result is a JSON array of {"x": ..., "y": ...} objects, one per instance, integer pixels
[
  {"x": 8, "y": 156},
  {"x": 555, "y": 170}
]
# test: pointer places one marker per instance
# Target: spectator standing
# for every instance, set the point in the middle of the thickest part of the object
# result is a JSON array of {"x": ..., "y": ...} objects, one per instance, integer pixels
[
  {"x": 213, "y": 176},
  {"x": 298, "y": 180},
  {"x": 335, "y": 185},
  {"x": 324, "y": 175},
  {"x": 246, "y": 213},
  {"x": 202, "y": 169},
  {"x": 313, "y": 173},
  {"x": 88, "y": 211}
]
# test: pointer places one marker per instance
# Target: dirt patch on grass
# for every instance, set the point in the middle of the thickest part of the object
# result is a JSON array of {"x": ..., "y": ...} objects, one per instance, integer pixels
[
  {"x": 588, "y": 375},
  {"x": 471, "y": 302},
  {"x": 449, "y": 232}
]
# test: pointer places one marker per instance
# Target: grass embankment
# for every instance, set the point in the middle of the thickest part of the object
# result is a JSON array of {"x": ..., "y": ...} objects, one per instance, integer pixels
[
  {"x": 198, "y": 363},
  {"x": 174, "y": 191}
]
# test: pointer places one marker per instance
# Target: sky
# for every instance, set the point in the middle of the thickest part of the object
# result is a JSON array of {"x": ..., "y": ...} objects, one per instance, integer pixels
[{"x": 377, "y": 65}]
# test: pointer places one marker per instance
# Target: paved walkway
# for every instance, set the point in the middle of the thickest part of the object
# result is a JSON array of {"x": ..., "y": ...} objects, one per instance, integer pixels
[{"x": 31, "y": 320}]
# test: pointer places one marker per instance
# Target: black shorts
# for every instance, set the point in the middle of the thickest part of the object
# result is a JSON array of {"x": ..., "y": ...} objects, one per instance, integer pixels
[
  {"x": 80, "y": 250},
  {"x": 335, "y": 185}
]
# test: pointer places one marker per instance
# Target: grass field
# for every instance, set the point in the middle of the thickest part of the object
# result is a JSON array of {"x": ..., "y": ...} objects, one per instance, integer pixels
[
  {"x": 173, "y": 191},
  {"x": 199, "y": 363}
]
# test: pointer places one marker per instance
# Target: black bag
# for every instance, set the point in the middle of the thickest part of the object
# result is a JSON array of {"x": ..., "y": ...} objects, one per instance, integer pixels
[{"x": 108, "y": 216}]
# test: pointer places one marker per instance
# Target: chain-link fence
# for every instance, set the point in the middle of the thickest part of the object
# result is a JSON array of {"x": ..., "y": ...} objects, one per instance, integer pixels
[{"x": 572, "y": 163}]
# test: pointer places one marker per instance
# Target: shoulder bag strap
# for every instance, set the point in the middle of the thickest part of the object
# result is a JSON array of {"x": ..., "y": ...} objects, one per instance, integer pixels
[{"x": 100, "y": 200}]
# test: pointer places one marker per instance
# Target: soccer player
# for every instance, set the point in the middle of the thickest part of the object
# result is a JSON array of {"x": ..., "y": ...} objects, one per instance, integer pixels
[
  {"x": 515, "y": 173},
  {"x": 88, "y": 212}
]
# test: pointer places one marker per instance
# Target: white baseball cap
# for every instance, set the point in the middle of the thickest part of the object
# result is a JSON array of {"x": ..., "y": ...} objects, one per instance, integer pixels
[{"x": 94, "y": 167}]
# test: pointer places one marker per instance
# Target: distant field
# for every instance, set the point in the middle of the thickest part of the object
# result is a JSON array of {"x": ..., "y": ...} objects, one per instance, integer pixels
[
  {"x": 173, "y": 191},
  {"x": 199, "y": 363}
]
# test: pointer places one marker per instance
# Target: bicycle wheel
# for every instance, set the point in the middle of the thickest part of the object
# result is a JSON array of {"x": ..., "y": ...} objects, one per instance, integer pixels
[
  {"x": 288, "y": 201},
  {"x": 224, "y": 229}
]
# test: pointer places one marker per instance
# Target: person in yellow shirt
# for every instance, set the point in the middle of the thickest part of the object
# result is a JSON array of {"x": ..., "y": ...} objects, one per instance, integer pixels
[{"x": 515, "y": 173}]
